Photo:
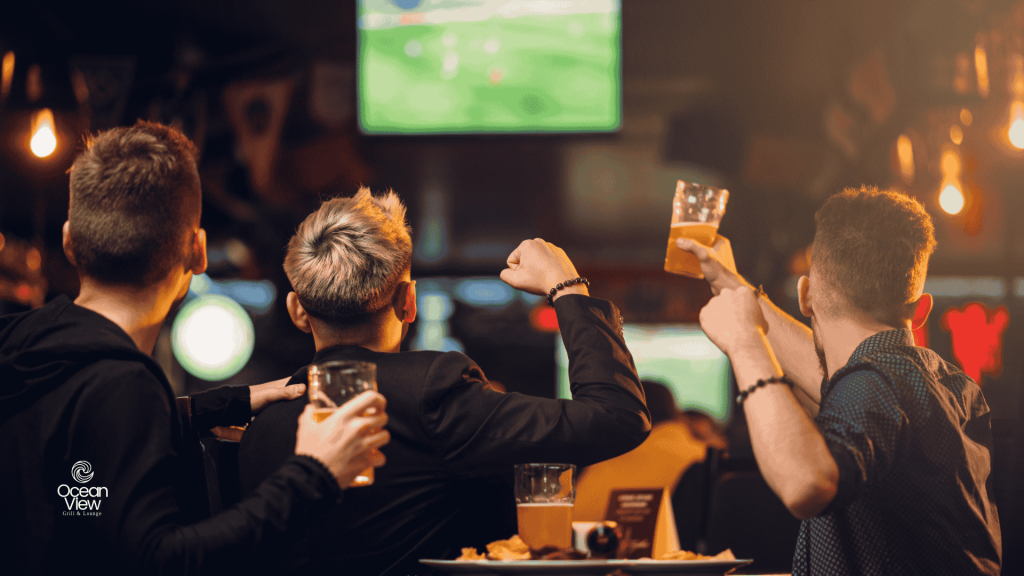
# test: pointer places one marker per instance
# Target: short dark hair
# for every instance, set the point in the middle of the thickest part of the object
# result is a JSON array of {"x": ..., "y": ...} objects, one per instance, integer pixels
[
  {"x": 871, "y": 247},
  {"x": 135, "y": 193}
]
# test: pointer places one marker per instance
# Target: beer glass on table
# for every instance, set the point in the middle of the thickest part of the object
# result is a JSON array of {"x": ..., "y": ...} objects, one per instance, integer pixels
[
  {"x": 545, "y": 494},
  {"x": 333, "y": 383},
  {"x": 696, "y": 212}
]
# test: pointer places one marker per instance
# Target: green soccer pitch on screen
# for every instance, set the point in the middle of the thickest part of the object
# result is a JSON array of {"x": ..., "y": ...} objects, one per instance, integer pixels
[
  {"x": 489, "y": 66},
  {"x": 678, "y": 355}
]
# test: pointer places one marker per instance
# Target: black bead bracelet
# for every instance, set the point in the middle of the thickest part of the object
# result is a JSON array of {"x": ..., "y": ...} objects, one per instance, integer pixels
[
  {"x": 566, "y": 284},
  {"x": 763, "y": 382}
]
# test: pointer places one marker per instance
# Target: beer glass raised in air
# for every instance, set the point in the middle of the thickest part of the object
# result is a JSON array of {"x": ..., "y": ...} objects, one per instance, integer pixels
[{"x": 696, "y": 213}]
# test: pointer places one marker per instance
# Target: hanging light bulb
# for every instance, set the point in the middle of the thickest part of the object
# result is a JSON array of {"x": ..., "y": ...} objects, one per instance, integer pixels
[
  {"x": 1016, "y": 131},
  {"x": 44, "y": 135},
  {"x": 951, "y": 199},
  {"x": 951, "y": 196}
]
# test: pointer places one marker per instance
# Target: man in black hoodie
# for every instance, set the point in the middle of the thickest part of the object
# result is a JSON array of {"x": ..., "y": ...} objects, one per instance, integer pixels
[{"x": 89, "y": 435}]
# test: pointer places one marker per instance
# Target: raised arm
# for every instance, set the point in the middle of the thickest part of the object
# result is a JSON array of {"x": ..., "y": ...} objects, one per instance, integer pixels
[
  {"x": 791, "y": 453},
  {"x": 606, "y": 417},
  {"x": 790, "y": 339}
]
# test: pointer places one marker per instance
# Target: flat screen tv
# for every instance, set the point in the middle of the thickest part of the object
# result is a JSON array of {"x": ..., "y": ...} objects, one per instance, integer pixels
[
  {"x": 488, "y": 66},
  {"x": 678, "y": 355}
]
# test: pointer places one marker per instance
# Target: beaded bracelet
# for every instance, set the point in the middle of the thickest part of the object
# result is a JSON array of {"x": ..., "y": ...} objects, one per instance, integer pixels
[
  {"x": 763, "y": 382},
  {"x": 566, "y": 284}
]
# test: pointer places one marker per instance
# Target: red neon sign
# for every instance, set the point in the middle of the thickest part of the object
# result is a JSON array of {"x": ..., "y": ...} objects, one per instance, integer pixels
[{"x": 977, "y": 336}]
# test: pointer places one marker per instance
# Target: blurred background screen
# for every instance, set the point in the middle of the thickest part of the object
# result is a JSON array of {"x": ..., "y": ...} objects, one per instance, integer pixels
[
  {"x": 678, "y": 355},
  {"x": 478, "y": 66}
]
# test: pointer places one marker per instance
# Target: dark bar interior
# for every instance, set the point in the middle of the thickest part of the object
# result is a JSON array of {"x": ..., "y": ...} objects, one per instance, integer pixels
[{"x": 495, "y": 122}]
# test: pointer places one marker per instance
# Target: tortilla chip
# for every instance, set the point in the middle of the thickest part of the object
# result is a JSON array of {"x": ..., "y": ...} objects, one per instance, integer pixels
[
  {"x": 724, "y": 555},
  {"x": 469, "y": 554},
  {"x": 682, "y": 555},
  {"x": 687, "y": 555},
  {"x": 512, "y": 549}
]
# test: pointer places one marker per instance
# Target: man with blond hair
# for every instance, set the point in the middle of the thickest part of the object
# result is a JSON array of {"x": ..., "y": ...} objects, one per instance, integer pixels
[
  {"x": 89, "y": 433},
  {"x": 893, "y": 474},
  {"x": 447, "y": 484}
]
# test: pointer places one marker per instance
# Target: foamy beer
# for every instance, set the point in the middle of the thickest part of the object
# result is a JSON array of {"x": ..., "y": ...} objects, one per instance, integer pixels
[
  {"x": 696, "y": 212},
  {"x": 545, "y": 494},
  {"x": 333, "y": 383}
]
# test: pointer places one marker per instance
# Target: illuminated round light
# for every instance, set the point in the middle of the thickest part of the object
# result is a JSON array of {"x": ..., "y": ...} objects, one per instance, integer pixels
[
  {"x": 956, "y": 134},
  {"x": 44, "y": 142},
  {"x": 951, "y": 199},
  {"x": 212, "y": 337},
  {"x": 44, "y": 135},
  {"x": 1017, "y": 133}
]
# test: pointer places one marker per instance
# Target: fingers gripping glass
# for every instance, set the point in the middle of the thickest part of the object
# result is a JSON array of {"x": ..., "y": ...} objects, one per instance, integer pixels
[
  {"x": 334, "y": 383},
  {"x": 696, "y": 213}
]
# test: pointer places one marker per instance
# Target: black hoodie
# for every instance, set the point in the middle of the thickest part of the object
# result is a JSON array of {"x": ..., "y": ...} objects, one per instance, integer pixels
[{"x": 90, "y": 465}]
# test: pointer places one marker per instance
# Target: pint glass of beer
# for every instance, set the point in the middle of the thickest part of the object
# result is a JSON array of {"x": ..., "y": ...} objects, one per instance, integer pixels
[
  {"x": 545, "y": 494},
  {"x": 696, "y": 212},
  {"x": 333, "y": 383}
]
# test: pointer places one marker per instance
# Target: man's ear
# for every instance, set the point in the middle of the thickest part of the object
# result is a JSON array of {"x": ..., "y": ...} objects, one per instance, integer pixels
[
  {"x": 297, "y": 312},
  {"x": 197, "y": 260},
  {"x": 803, "y": 295},
  {"x": 405, "y": 302},
  {"x": 923, "y": 308},
  {"x": 66, "y": 240}
]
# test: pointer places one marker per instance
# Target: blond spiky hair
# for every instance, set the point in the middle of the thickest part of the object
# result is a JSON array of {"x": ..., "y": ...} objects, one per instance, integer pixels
[{"x": 347, "y": 258}]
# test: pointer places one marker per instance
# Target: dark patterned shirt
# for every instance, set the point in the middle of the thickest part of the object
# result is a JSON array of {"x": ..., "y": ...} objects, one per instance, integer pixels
[{"x": 911, "y": 436}]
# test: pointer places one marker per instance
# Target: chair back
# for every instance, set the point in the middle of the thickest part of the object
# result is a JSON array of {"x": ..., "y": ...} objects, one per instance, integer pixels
[{"x": 746, "y": 516}]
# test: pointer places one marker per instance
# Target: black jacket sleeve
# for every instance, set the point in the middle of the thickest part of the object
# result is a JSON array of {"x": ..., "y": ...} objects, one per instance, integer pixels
[
  {"x": 224, "y": 406},
  {"x": 122, "y": 425},
  {"x": 607, "y": 416}
]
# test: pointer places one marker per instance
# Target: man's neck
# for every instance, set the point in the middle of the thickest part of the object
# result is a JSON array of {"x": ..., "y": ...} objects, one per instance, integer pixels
[
  {"x": 387, "y": 338},
  {"x": 140, "y": 312},
  {"x": 841, "y": 337}
]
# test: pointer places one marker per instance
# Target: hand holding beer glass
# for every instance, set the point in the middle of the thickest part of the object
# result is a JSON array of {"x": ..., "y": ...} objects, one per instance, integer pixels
[
  {"x": 696, "y": 213},
  {"x": 545, "y": 494},
  {"x": 334, "y": 383}
]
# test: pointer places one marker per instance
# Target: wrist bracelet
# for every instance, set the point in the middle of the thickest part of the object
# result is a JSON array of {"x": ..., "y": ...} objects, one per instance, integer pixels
[
  {"x": 566, "y": 284},
  {"x": 762, "y": 382}
]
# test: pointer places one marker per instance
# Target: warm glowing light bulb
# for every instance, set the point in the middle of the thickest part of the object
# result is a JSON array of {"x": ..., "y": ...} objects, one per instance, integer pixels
[
  {"x": 966, "y": 117},
  {"x": 981, "y": 66},
  {"x": 1017, "y": 133},
  {"x": 956, "y": 134},
  {"x": 905, "y": 153},
  {"x": 44, "y": 137},
  {"x": 951, "y": 199},
  {"x": 950, "y": 163}
]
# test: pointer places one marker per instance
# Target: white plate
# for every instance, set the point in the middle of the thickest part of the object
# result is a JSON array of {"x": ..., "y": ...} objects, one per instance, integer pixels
[{"x": 587, "y": 567}]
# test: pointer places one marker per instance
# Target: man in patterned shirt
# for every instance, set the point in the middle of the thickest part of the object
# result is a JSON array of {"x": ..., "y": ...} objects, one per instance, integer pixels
[{"x": 892, "y": 475}]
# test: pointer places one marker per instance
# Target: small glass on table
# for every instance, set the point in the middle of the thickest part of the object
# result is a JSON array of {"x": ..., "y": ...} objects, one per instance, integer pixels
[
  {"x": 333, "y": 383},
  {"x": 696, "y": 212},
  {"x": 545, "y": 494}
]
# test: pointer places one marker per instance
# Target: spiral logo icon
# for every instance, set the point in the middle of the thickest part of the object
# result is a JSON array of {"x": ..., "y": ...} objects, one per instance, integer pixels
[{"x": 81, "y": 471}]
